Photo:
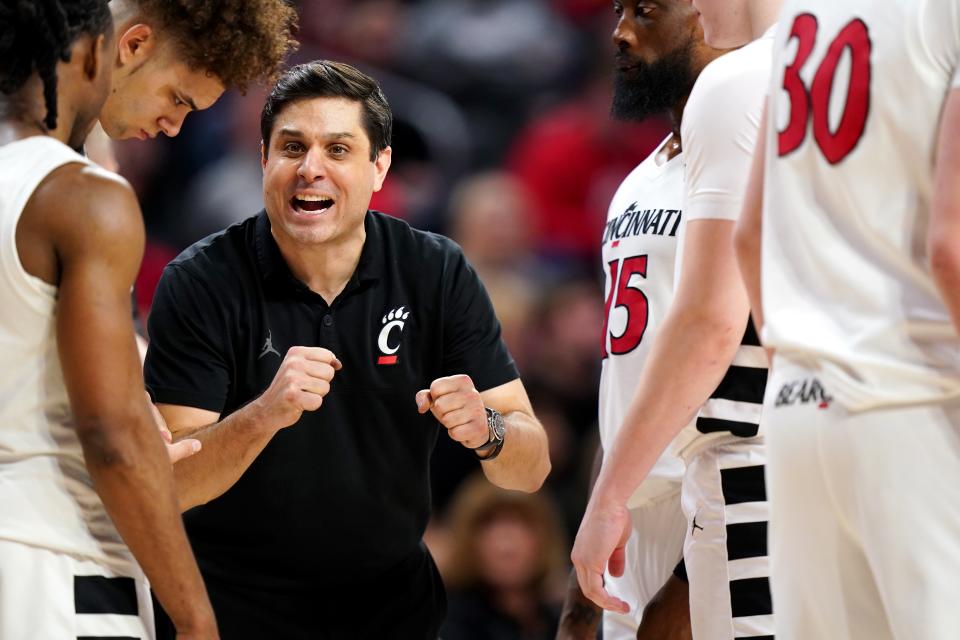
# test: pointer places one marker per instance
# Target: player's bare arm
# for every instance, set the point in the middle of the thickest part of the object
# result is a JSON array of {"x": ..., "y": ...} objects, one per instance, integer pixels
[
  {"x": 524, "y": 462},
  {"x": 943, "y": 237},
  {"x": 747, "y": 236},
  {"x": 710, "y": 304},
  {"x": 231, "y": 445},
  {"x": 92, "y": 249}
]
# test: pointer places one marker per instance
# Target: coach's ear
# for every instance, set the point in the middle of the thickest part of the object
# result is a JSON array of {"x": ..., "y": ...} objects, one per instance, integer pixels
[
  {"x": 263, "y": 155},
  {"x": 381, "y": 166}
]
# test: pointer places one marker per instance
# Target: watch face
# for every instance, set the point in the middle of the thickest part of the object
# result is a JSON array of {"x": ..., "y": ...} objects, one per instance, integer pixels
[{"x": 498, "y": 426}]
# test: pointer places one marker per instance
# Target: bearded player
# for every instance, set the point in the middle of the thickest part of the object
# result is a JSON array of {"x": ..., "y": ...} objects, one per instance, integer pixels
[{"x": 660, "y": 53}]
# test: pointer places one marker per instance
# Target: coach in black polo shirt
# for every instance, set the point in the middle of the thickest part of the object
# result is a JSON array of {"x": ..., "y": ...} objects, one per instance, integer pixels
[{"x": 305, "y": 348}]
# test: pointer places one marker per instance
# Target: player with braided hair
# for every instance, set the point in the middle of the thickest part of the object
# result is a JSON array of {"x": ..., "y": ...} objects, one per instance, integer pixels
[
  {"x": 88, "y": 501},
  {"x": 36, "y": 35},
  {"x": 178, "y": 56}
]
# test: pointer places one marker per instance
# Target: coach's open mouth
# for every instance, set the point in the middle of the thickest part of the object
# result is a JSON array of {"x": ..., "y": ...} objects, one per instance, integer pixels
[{"x": 305, "y": 203}]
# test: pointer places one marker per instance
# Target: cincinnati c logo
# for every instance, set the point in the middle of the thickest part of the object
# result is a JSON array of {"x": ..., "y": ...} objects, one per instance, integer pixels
[{"x": 393, "y": 320}]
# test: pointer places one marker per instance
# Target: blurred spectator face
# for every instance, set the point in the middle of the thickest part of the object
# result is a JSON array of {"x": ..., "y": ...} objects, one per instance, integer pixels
[
  {"x": 491, "y": 219},
  {"x": 502, "y": 540},
  {"x": 317, "y": 174},
  {"x": 153, "y": 91},
  {"x": 655, "y": 44},
  {"x": 507, "y": 552}
]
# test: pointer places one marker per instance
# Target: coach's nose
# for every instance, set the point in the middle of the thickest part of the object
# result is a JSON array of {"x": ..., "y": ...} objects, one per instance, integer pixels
[{"x": 311, "y": 166}]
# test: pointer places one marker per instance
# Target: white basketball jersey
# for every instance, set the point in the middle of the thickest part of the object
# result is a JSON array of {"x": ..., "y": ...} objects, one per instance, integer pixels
[
  {"x": 856, "y": 97},
  {"x": 639, "y": 248},
  {"x": 46, "y": 495}
]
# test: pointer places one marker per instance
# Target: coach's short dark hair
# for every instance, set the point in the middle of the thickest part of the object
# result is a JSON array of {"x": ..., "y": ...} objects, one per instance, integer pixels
[{"x": 327, "y": 79}]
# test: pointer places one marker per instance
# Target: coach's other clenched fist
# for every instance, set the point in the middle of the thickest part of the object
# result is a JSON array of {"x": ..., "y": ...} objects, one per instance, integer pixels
[
  {"x": 457, "y": 405},
  {"x": 302, "y": 381}
]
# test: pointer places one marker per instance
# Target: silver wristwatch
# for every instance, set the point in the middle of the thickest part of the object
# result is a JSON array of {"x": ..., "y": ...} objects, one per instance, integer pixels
[{"x": 496, "y": 430}]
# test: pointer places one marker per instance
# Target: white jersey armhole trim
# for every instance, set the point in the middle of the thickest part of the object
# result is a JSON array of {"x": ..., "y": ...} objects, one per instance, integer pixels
[{"x": 24, "y": 283}]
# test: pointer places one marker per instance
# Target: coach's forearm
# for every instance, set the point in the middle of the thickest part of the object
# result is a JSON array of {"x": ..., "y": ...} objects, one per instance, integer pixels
[
  {"x": 524, "y": 461},
  {"x": 229, "y": 448},
  {"x": 688, "y": 360}
]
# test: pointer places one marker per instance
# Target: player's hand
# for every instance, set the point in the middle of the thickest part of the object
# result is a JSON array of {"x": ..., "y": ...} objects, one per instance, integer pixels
[
  {"x": 600, "y": 545},
  {"x": 176, "y": 451},
  {"x": 300, "y": 384},
  {"x": 457, "y": 405},
  {"x": 181, "y": 449}
]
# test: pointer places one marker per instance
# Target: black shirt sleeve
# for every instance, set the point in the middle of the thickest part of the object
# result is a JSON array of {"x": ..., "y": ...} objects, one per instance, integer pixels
[
  {"x": 186, "y": 361},
  {"x": 471, "y": 332}
]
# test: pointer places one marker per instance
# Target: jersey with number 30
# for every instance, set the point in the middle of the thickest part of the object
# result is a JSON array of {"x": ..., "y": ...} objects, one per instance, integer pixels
[
  {"x": 639, "y": 249},
  {"x": 858, "y": 89}
]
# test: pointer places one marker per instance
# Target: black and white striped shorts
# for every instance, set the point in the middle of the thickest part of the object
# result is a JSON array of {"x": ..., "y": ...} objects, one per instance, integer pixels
[
  {"x": 45, "y": 594},
  {"x": 724, "y": 500}
]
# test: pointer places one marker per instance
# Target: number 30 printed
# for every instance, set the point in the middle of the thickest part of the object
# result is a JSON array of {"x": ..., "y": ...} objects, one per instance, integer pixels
[
  {"x": 834, "y": 144},
  {"x": 631, "y": 299}
]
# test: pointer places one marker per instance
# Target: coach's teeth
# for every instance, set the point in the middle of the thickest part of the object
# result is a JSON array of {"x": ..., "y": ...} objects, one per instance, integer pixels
[{"x": 312, "y": 198}]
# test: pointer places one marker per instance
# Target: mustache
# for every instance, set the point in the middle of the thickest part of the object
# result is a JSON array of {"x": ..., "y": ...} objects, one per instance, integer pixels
[{"x": 623, "y": 61}]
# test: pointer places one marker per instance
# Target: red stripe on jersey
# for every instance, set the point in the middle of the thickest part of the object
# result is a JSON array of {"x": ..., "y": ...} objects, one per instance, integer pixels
[{"x": 387, "y": 360}]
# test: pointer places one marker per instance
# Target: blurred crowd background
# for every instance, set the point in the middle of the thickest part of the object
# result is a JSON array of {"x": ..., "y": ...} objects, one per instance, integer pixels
[{"x": 503, "y": 141}]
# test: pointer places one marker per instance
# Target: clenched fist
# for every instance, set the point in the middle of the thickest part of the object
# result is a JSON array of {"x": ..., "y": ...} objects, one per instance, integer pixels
[
  {"x": 457, "y": 405},
  {"x": 302, "y": 381}
]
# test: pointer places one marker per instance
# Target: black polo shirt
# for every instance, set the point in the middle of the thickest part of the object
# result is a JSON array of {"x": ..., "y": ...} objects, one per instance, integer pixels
[{"x": 338, "y": 502}]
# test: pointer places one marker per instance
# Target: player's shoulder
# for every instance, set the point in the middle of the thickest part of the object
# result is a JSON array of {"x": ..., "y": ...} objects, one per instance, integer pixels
[
  {"x": 744, "y": 67},
  {"x": 733, "y": 84},
  {"x": 82, "y": 200}
]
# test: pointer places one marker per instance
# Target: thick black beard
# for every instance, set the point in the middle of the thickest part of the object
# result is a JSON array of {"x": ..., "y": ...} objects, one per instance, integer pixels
[{"x": 650, "y": 89}]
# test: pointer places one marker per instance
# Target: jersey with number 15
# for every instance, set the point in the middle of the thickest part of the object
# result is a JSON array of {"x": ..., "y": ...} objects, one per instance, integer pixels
[
  {"x": 639, "y": 250},
  {"x": 858, "y": 88}
]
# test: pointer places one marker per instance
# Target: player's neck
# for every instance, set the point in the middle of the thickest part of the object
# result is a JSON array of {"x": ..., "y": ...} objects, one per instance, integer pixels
[
  {"x": 22, "y": 115},
  {"x": 762, "y": 15}
]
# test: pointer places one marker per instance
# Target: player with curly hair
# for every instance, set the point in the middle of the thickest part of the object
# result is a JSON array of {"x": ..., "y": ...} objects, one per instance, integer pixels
[
  {"x": 89, "y": 508},
  {"x": 178, "y": 56}
]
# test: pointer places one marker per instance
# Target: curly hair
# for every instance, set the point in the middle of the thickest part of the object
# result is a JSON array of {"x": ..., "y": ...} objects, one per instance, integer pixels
[
  {"x": 36, "y": 35},
  {"x": 242, "y": 42}
]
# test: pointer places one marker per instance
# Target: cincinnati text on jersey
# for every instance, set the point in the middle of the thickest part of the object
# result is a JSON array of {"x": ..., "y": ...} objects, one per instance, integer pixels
[{"x": 635, "y": 222}]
